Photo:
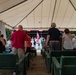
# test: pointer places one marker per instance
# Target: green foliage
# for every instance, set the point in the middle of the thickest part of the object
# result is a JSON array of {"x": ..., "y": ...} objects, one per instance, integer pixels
[
  {"x": 8, "y": 33},
  {"x": 73, "y": 32}
]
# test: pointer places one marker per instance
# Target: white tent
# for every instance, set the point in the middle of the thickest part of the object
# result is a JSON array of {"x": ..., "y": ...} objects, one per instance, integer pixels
[{"x": 38, "y": 14}]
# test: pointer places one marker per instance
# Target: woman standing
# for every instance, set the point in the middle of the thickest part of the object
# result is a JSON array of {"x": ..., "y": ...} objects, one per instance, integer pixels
[
  {"x": 67, "y": 43},
  {"x": 2, "y": 44}
]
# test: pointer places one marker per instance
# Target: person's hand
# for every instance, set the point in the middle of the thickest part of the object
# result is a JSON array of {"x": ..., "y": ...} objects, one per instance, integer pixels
[
  {"x": 47, "y": 47},
  {"x": 46, "y": 44}
]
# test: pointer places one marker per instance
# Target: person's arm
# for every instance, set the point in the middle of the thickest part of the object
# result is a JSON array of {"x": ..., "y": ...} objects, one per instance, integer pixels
[
  {"x": 47, "y": 40},
  {"x": 48, "y": 37},
  {"x": 63, "y": 42},
  {"x": 26, "y": 42},
  {"x": 26, "y": 45}
]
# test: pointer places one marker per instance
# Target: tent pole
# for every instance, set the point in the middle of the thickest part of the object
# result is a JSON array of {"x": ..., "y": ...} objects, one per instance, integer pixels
[
  {"x": 72, "y": 4},
  {"x": 54, "y": 11},
  {"x": 28, "y": 14},
  {"x": 12, "y": 6}
]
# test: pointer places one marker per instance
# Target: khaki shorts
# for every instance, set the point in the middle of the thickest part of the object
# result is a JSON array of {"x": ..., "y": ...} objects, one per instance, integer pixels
[{"x": 20, "y": 52}]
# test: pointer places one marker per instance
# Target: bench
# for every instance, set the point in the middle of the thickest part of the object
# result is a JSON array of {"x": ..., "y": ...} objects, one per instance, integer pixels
[
  {"x": 57, "y": 54},
  {"x": 66, "y": 66},
  {"x": 11, "y": 62}
]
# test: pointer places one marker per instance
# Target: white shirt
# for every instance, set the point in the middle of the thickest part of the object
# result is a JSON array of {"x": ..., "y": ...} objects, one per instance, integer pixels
[
  {"x": 74, "y": 42},
  {"x": 68, "y": 44}
]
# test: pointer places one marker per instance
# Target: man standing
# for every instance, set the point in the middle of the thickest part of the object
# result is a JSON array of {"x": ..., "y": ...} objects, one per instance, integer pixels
[
  {"x": 53, "y": 38},
  {"x": 18, "y": 39}
]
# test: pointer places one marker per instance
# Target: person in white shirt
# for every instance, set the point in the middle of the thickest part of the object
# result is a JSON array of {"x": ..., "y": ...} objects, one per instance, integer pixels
[
  {"x": 67, "y": 43},
  {"x": 74, "y": 43}
]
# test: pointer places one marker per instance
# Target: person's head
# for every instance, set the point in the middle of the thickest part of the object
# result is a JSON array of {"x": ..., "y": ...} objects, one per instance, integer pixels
[
  {"x": 2, "y": 35},
  {"x": 66, "y": 30},
  {"x": 53, "y": 25},
  {"x": 20, "y": 27}
]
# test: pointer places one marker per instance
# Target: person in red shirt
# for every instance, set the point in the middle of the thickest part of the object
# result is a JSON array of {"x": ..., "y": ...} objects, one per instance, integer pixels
[{"x": 18, "y": 40}]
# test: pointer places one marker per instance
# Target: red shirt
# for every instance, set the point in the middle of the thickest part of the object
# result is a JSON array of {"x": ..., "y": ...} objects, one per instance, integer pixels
[{"x": 18, "y": 39}]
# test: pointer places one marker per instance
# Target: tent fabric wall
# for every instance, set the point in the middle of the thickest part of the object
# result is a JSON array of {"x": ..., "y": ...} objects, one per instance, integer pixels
[{"x": 64, "y": 14}]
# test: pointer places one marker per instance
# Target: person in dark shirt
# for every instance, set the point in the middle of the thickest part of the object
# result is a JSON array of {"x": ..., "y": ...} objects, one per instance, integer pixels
[
  {"x": 2, "y": 44},
  {"x": 3, "y": 38},
  {"x": 53, "y": 38}
]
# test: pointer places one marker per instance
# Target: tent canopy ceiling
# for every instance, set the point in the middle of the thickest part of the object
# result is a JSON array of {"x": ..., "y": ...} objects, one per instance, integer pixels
[{"x": 38, "y": 14}]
